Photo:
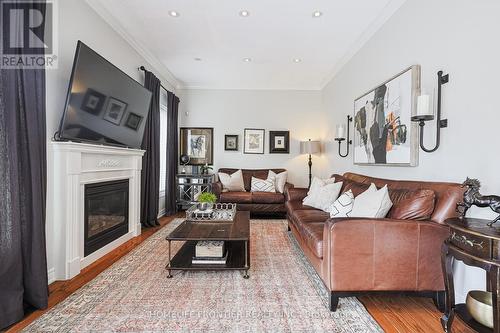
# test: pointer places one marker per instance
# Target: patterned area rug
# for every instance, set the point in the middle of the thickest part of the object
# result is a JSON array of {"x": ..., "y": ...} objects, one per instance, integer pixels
[{"x": 283, "y": 294}]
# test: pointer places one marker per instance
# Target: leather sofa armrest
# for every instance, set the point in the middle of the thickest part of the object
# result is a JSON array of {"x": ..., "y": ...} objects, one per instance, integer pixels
[
  {"x": 287, "y": 187},
  {"x": 295, "y": 193},
  {"x": 383, "y": 254},
  {"x": 217, "y": 189}
]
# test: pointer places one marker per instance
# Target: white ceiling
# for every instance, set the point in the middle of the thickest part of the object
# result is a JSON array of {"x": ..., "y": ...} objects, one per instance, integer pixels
[{"x": 275, "y": 33}]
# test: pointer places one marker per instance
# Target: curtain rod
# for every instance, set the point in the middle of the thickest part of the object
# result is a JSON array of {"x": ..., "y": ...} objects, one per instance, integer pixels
[{"x": 142, "y": 68}]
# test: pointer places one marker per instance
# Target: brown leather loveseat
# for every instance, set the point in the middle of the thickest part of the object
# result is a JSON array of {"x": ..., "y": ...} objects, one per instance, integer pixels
[
  {"x": 255, "y": 202},
  {"x": 399, "y": 253}
]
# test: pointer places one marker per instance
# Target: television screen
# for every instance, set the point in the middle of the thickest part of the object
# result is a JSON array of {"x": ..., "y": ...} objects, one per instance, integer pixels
[{"x": 104, "y": 105}]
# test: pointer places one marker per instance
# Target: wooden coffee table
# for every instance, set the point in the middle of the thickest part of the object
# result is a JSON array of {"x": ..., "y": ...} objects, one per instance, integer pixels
[{"x": 236, "y": 236}]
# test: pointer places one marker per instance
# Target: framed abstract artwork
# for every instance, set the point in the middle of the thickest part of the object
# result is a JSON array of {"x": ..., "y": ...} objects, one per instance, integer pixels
[
  {"x": 383, "y": 131},
  {"x": 279, "y": 142},
  {"x": 197, "y": 144},
  {"x": 230, "y": 142},
  {"x": 254, "y": 141}
]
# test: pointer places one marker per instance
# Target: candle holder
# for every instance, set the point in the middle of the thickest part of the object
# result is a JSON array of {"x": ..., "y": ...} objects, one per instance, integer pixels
[
  {"x": 348, "y": 140},
  {"x": 441, "y": 123}
]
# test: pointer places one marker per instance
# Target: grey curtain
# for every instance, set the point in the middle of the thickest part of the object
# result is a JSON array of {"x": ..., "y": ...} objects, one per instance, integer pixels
[
  {"x": 172, "y": 153},
  {"x": 150, "y": 180},
  {"x": 23, "y": 263}
]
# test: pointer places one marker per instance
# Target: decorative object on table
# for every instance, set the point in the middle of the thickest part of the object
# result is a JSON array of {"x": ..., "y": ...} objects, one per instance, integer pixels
[
  {"x": 279, "y": 142},
  {"x": 230, "y": 142},
  {"x": 133, "y": 121},
  {"x": 115, "y": 110},
  {"x": 254, "y": 141},
  {"x": 190, "y": 187},
  {"x": 310, "y": 147},
  {"x": 340, "y": 136},
  {"x": 384, "y": 133},
  {"x": 480, "y": 306},
  {"x": 204, "y": 169},
  {"x": 220, "y": 212},
  {"x": 471, "y": 241},
  {"x": 93, "y": 101},
  {"x": 425, "y": 113},
  {"x": 472, "y": 197},
  {"x": 206, "y": 200},
  {"x": 209, "y": 252},
  {"x": 197, "y": 143},
  {"x": 184, "y": 161}
]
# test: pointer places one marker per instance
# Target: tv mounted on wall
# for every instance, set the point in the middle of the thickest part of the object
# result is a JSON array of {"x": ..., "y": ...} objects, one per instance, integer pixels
[{"x": 103, "y": 105}]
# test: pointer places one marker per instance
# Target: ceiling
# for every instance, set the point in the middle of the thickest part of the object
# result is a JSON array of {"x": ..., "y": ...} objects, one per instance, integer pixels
[{"x": 206, "y": 44}]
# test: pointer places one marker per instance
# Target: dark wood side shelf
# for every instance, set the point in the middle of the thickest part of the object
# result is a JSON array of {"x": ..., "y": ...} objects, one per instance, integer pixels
[{"x": 475, "y": 244}]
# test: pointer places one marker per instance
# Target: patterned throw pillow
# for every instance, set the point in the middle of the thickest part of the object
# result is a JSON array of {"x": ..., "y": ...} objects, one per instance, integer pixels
[
  {"x": 342, "y": 207},
  {"x": 262, "y": 185},
  {"x": 279, "y": 180}
]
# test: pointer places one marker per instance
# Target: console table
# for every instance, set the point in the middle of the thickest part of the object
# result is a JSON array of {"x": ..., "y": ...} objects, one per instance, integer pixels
[
  {"x": 190, "y": 186},
  {"x": 476, "y": 244}
]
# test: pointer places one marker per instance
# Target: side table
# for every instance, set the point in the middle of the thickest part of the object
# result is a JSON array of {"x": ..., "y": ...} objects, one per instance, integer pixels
[
  {"x": 474, "y": 243},
  {"x": 190, "y": 186}
]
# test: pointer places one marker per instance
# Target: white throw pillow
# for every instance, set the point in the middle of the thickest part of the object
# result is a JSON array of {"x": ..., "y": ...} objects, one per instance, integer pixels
[
  {"x": 262, "y": 185},
  {"x": 342, "y": 207},
  {"x": 372, "y": 203},
  {"x": 318, "y": 182},
  {"x": 233, "y": 182},
  {"x": 322, "y": 197},
  {"x": 279, "y": 180}
]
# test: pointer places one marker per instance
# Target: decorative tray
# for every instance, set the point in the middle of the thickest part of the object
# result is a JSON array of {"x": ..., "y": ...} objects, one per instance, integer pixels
[{"x": 220, "y": 212}]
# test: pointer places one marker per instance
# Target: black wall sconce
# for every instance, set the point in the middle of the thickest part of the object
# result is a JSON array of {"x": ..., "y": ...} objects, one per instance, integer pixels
[
  {"x": 424, "y": 113},
  {"x": 340, "y": 136}
]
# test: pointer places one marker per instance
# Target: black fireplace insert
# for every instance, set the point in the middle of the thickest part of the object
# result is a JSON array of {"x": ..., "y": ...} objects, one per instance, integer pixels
[{"x": 106, "y": 213}]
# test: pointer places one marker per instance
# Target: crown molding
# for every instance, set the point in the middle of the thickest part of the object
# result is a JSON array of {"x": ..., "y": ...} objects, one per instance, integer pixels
[
  {"x": 372, "y": 29},
  {"x": 158, "y": 66},
  {"x": 255, "y": 88}
]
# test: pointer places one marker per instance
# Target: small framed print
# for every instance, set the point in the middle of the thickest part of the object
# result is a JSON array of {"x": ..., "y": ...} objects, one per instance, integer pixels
[
  {"x": 279, "y": 142},
  {"x": 115, "y": 111},
  {"x": 231, "y": 142},
  {"x": 93, "y": 101},
  {"x": 133, "y": 121},
  {"x": 254, "y": 141}
]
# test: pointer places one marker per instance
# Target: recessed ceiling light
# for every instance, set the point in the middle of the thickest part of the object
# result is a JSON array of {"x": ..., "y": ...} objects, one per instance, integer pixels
[
  {"x": 297, "y": 60},
  {"x": 317, "y": 13},
  {"x": 244, "y": 13},
  {"x": 197, "y": 59},
  {"x": 247, "y": 59},
  {"x": 173, "y": 13}
]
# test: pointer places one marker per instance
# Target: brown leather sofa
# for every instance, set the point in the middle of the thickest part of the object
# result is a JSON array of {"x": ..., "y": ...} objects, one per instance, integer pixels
[
  {"x": 256, "y": 202},
  {"x": 399, "y": 253}
]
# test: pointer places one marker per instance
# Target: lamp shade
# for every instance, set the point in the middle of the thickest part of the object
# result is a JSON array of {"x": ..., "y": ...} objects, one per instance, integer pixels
[{"x": 310, "y": 147}]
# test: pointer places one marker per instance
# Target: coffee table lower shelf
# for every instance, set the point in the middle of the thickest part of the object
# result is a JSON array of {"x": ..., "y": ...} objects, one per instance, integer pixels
[{"x": 238, "y": 258}]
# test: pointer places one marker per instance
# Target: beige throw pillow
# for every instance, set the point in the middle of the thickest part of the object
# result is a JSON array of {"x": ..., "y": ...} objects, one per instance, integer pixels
[
  {"x": 372, "y": 203},
  {"x": 322, "y": 197},
  {"x": 233, "y": 182},
  {"x": 279, "y": 180}
]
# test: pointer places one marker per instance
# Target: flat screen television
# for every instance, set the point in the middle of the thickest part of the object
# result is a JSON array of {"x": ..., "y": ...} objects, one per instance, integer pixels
[{"x": 104, "y": 105}]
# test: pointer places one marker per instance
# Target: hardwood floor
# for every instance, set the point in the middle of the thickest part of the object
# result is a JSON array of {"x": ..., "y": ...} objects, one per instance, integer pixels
[{"x": 394, "y": 314}]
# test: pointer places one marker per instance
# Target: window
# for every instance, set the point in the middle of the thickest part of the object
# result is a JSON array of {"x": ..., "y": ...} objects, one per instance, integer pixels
[{"x": 163, "y": 141}]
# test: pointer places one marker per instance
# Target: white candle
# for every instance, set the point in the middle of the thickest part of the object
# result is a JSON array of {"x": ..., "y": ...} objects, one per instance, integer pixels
[
  {"x": 423, "y": 103},
  {"x": 340, "y": 132}
]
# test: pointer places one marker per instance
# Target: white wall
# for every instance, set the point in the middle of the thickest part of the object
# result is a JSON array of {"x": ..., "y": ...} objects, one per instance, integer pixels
[
  {"x": 77, "y": 21},
  {"x": 231, "y": 111},
  {"x": 459, "y": 37}
]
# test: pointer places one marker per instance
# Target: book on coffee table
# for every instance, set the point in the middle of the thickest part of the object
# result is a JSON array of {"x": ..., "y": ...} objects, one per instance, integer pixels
[
  {"x": 209, "y": 248},
  {"x": 210, "y": 260}
]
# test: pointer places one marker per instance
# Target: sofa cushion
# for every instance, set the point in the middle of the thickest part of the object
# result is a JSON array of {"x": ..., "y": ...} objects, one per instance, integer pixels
[
  {"x": 236, "y": 197},
  {"x": 310, "y": 215},
  {"x": 356, "y": 188},
  {"x": 267, "y": 197},
  {"x": 312, "y": 235},
  {"x": 411, "y": 204}
]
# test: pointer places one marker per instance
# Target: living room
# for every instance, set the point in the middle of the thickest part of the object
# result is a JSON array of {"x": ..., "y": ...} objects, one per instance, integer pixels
[{"x": 256, "y": 81}]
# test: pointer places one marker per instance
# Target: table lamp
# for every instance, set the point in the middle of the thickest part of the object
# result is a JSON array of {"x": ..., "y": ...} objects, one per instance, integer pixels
[{"x": 310, "y": 147}]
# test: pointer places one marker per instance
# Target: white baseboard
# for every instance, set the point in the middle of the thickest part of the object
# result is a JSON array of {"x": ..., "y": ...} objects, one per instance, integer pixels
[
  {"x": 162, "y": 212},
  {"x": 51, "y": 274}
]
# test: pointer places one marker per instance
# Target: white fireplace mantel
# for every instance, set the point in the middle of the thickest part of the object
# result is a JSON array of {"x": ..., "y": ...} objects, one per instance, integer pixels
[{"x": 73, "y": 165}]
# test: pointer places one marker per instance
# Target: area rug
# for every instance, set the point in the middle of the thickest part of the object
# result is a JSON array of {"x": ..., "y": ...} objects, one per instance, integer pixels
[{"x": 283, "y": 294}]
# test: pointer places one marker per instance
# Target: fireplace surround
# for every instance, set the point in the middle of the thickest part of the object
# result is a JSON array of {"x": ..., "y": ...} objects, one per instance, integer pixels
[{"x": 74, "y": 170}]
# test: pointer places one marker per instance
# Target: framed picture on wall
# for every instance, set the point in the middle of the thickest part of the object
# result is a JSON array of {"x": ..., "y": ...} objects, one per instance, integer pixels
[
  {"x": 197, "y": 143},
  {"x": 383, "y": 131},
  {"x": 279, "y": 142},
  {"x": 231, "y": 142},
  {"x": 254, "y": 141}
]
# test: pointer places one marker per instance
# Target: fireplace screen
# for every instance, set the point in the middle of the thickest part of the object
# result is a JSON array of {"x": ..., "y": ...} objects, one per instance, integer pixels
[{"x": 106, "y": 213}]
